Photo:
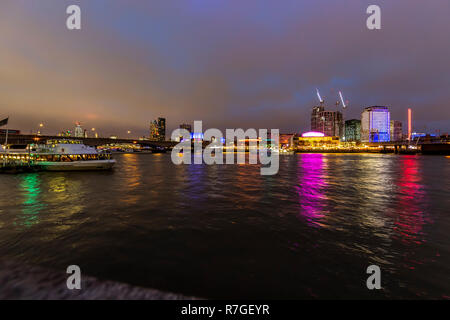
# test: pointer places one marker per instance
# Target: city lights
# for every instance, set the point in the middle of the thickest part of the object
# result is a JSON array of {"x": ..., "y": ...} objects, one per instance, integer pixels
[{"x": 313, "y": 134}]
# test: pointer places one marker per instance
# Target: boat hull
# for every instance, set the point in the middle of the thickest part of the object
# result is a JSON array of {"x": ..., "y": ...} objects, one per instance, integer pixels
[{"x": 93, "y": 165}]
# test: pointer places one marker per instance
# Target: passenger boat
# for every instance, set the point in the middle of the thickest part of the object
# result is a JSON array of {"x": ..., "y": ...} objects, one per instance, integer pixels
[
  {"x": 16, "y": 159},
  {"x": 69, "y": 155}
]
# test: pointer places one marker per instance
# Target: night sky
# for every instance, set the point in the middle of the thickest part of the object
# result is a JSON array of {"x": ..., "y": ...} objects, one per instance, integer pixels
[{"x": 230, "y": 63}]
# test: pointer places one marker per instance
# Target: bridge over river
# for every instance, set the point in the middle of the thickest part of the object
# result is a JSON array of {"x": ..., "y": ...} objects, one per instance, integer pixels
[
  {"x": 439, "y": 146},
  {"x": 21, "y": 139}
]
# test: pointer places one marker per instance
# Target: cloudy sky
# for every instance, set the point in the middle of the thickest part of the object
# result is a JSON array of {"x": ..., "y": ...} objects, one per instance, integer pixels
[{"x": 230, "y": 63}]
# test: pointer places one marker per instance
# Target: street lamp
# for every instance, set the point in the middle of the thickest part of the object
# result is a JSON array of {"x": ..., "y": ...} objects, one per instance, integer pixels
[
  {"x": 95, "y": 133},
  {"x": 41, "y": 125}
]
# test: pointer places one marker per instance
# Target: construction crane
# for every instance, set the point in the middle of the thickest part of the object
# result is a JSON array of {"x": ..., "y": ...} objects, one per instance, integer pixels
[
  {"x": 318, "y": 96},
  {"x": 344, "y": 106},
  {"x": 342, "y": 99}
]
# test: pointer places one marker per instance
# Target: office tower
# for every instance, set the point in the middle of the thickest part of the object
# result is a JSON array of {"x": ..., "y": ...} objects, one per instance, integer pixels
[
  {"x": 162, "y": 129},
  {"x": 158, "y": 130},
  {"x": 154, "y": 132},
  {"x": 329, "y": 123},
  {"x": 79, "y": 132},
  {"x": 353, "y": 130},
  {"x": 375, "y": 124},
  {"x": 396, "y": 130},
  {"x": 316, "y": 124}
]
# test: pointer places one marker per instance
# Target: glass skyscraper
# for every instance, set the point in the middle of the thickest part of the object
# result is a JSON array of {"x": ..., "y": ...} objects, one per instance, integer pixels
[{"x": 375, "y": 124}]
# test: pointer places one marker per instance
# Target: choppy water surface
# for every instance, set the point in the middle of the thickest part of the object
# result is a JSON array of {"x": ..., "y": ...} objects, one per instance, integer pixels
[{"x": 228, "y": 232}]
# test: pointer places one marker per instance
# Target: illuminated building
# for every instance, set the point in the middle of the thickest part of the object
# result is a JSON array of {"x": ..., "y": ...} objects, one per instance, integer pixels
[
  {"x": 375, "y": 124},
  {"x": 197, "y": 137},
  {"x": 353, "y": 130},
  {"x": 409, "y": 123},
  {"x": 162, "y": 129},
  {"x": 158, "y": 130},
  {"x": 186, "y": 127},
  {"x": 316, "y": 118},
  {"x": 328, "y": 122},
  {"x": 154, "y": 135},
  {"x": 396, "y": 129},
  {"x": 79, "y": 132},
  {"x": 286, "y": 140},
  {"x": 422, "y": 136},
  {"x": 317, "y": 140},
  {"x": 313, "y": 134}
]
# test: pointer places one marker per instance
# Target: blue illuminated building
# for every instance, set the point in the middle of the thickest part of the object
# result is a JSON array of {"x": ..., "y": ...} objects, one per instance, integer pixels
[{"x": 375, "y": 124}]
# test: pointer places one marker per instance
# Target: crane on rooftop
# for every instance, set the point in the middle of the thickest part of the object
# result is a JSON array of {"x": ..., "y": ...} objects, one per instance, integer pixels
[
  {"x": 344, "y": 105},
  {"x": 318, "y": 96}
]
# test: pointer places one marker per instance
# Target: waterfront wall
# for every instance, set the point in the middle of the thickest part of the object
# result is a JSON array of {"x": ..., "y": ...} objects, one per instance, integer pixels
[{"x": 22, "y": 282}]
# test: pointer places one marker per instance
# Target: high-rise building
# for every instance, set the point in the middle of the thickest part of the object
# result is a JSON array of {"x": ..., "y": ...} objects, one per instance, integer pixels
[
  {"x": 375, "y": 124},
  {"x": 79, "y": 132},
  {"x": 186, "y": 126},
  {"x": 316, "y": 118},
  {"x": 162, "y": 129},
  {"x": 154, "y": 133},
  {"x": 396, "y": 130},
  {"x": 329, "y": 123},
  {"x": 353, "y": 130},
  {"x": 158, "y": 130}
]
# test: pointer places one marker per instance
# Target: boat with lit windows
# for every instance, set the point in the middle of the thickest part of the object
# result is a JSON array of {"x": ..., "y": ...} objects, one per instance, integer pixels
[
  {"x": 16, "y": 159},
  {"x": 69, "y": 155}
]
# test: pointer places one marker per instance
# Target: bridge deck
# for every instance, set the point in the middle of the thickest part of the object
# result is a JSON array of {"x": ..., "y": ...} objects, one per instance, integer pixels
[{"x": 28, "y": 139}]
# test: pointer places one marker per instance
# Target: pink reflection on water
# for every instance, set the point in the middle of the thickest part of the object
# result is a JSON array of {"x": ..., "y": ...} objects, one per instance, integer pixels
[
  {"x": 410, "y": 219},
  {"x": 311, "y": 176}
]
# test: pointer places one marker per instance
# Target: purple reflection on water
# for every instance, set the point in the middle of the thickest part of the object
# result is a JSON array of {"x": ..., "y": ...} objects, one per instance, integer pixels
[{"x": 311, "y": 175}]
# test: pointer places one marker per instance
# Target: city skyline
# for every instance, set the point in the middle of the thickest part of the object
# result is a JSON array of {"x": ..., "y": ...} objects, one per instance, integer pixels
[
  {"x": 323, "y": 119},
  {"x": 210, "y": 61},
  {"x": 218, "y": 153}
]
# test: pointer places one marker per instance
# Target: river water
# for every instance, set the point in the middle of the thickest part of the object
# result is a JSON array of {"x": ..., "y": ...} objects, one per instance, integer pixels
[{"x": 225, "y": 231}]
